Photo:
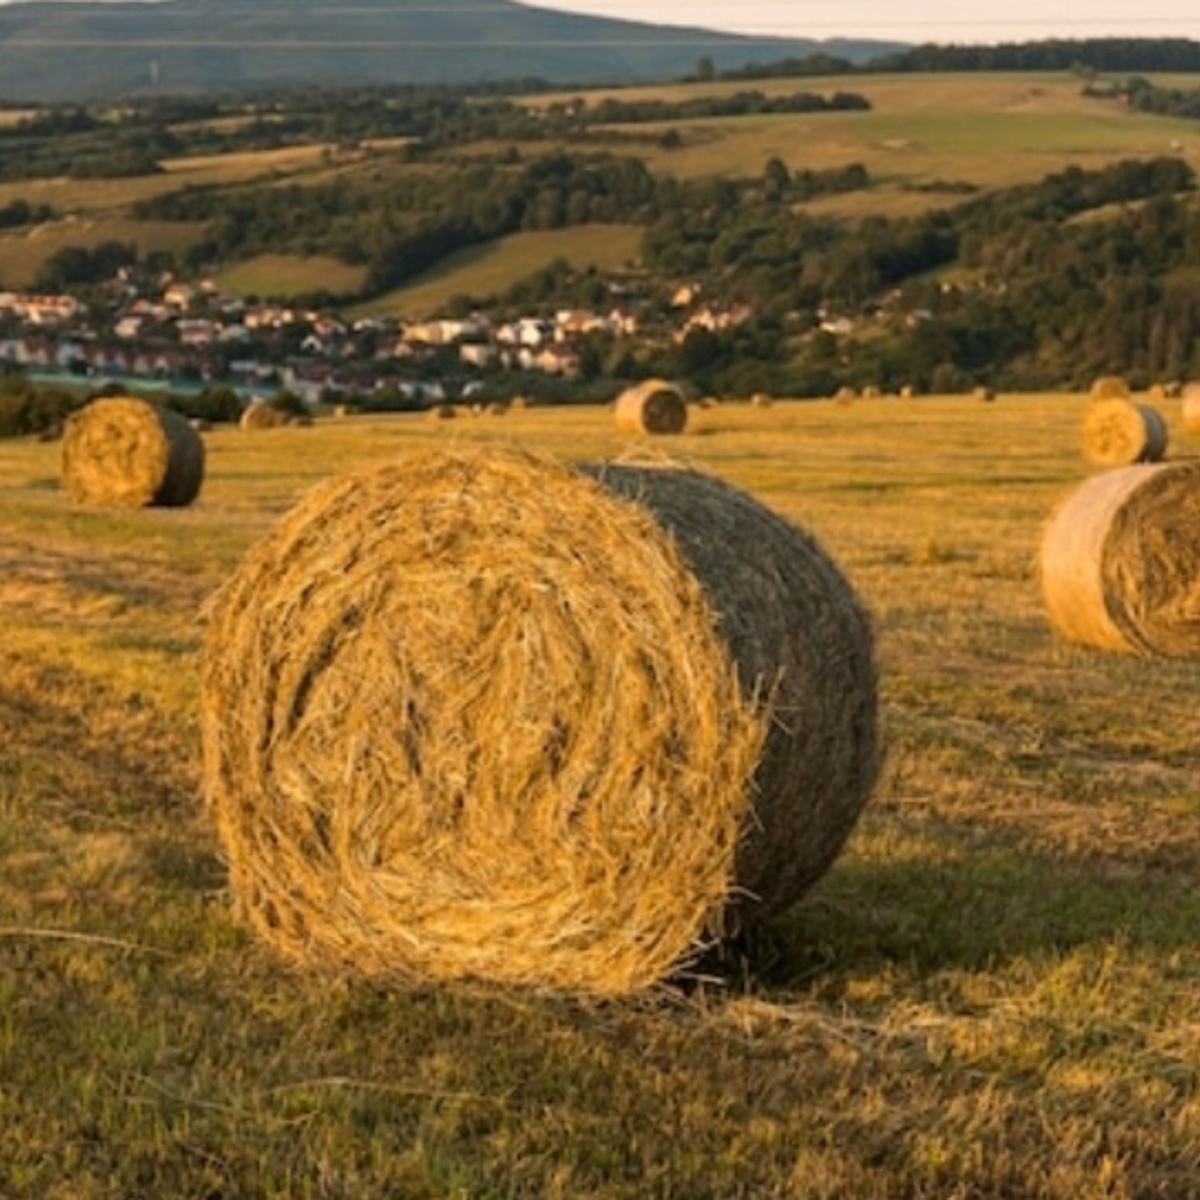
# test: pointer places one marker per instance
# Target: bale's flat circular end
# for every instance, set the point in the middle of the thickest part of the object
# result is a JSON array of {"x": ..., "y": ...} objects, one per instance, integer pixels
[
  {"x": 126, "y": 452},
  {"x": 1116, "y": 432},
  {"x": 653, "y": 406},
  {"x": 1120, "y": 561},
  {"x": 476, "y": 714}
]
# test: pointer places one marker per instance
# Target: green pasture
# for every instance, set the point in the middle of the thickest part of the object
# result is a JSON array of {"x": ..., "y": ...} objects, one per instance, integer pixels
[
  {"x": 489, "y": 270},
  {"x": 993, "y": 994},
  {"x": 23, "y": 251},
  {"x": 283, "y": 275}
]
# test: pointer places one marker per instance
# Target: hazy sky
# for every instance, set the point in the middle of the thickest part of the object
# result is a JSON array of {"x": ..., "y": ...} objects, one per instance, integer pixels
[{"x": 976, "y": 21}]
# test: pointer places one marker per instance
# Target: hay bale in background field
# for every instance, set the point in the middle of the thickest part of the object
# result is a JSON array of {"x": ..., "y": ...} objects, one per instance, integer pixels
[
  {"x": 442, "y": 412},
  {"x": 1117, "y": 433},
  {"x": 986, "y": 394},
  {"x": 1189, "y": 410},
  {"x": 127, "y": 452},
  {"x": 653, "y": 406},
  {"x": 760, "y": 400},
  {"x": 1120, "y": 561},
  {"x": 262, "y": 414},
  {"x": 476, "y": 714},
  {"x": 1109, "y": 387},
  {"x": 845, "y": 395}
]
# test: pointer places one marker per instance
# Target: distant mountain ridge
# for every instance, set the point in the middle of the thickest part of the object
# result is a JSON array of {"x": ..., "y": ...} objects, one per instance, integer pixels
[{"x": 87, "y": 51}]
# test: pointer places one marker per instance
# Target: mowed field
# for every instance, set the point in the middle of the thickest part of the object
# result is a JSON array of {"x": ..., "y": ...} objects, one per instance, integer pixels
[{"x": 994, "y": 992}]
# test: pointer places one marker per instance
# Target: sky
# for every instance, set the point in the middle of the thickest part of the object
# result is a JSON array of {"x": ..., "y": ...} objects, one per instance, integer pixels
[{"x": 968, "y": 21}]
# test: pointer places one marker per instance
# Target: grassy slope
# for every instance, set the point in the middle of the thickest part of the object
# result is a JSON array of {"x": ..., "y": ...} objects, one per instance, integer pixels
[
  {"x": 488, "y": 270},
  {"x": 991, "y": 130},
  {"x": 992, "y": 993}
]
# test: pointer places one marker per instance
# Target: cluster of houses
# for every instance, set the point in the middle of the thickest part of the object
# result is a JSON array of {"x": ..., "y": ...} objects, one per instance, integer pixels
[{"x": 191, "y": 335}]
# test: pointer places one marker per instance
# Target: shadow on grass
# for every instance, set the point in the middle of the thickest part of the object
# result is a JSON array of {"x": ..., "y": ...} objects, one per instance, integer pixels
[{"x": 971, "y": 911}]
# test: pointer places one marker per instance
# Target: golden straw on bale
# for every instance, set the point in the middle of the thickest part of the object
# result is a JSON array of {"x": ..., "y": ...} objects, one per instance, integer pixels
[
  {"x": 126, "y": 452},
  {"x": 480, "y": 715},
  {"x": 1120, "y": 561},
  {"x": 653, "y": 406},
  {"x": 1117, "y": 433},
  {"x": 262, "y": 414},
  {"x": 1109, "y": 387},
  {"x": 1190, "y": 408}
]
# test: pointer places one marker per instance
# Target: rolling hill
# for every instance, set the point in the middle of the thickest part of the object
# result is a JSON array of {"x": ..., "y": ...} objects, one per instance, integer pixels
[{"x": 86, "y": 51}]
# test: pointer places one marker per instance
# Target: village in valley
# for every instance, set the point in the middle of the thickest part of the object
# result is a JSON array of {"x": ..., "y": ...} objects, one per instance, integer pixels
[{"x": 164, "y": 334}]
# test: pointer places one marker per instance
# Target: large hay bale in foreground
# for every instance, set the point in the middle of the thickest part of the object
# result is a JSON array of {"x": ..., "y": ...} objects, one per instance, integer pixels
[
  {"x": 476, "y": 714},
  {"x": 653, "y": 406},
  {"x": 1118, "y": 433},
  {"x": 127, "y": 452},
  {"x": 1120, "y": 561}
]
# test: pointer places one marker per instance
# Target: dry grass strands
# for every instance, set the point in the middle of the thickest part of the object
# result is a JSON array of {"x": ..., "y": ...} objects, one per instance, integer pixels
[
  {"x": 477, "y": 715},
  {"x": 653, "y": 406},
  {"x": 126, "y": 452},
  {"x": 1117, "y": 433},
  {"x": 1120, "y": 561}
]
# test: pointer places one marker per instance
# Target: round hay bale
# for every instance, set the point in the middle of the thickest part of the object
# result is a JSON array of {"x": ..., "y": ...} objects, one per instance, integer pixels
[
  {"x": 760, "y": 400},
  {"x": 442, "y": 412},
  {"x": 497, "y": 408},
  {"x": 1120, "y": 561},
  {"x": 985, "y": 394},
  {"x": 653, "y": 406},
  {"x": 1117, "y": 433},
  {"x": 1189, "y": 410},
  {"x": 1110, "y": 387},
  {"x": 908, "y": 392},
  {"x": 845, "y": 395},
  {"x": 871, "y": 392},
  {"x": 479, "y": 715},
  {"x": 341, "y": 411},
  {"x": 126, "y": 452},
  {"x": 261, "y": 414}
]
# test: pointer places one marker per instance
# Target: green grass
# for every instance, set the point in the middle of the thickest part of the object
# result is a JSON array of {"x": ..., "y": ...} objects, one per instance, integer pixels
[
  {"x": 491, "y": 269},
  {"x": 282, "y": 275},
  {"x": 992, "y": 993}
]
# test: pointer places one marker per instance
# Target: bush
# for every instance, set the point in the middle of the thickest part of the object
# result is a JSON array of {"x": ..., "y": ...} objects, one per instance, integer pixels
[{"x": 27, "y": 409}]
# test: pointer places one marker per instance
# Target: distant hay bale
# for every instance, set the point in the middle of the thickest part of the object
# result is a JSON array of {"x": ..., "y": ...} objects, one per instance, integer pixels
[
  {"x": 497, "y": 408},
  {"x": 262, "y": 414},
  {"x": 126, "y": 452},
  {"x": 653, "y": 406},
  {"x": 760, "y": 400},
  {"x": 845, "y": 395},
  {"x": 1189, "y": 410},
  {"x": 1110, "y": 387},
  {"x": 1120, "y": 561},
  {"x": 479, "y": 715},
  {"x": 871, "y": 392},
  {"x": 908, "y": 392},
  {"x": 1117, "y": 433},
  {"x": 985, "y": 394},
  {"x": 442, "y": 412},
  {"x": 200, "y": 424},
  {"x": 1156, "y": 393},
  {"x": 341, "y": 412}
]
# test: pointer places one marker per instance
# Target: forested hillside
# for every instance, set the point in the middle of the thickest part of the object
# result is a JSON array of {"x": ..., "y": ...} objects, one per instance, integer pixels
[{"x": 836, "y": 278}]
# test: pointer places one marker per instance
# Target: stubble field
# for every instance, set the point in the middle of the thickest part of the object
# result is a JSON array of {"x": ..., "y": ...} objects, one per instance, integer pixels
[{"x": 993, "y": 993}]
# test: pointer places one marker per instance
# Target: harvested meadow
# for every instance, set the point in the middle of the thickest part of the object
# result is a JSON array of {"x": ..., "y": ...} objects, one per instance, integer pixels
[{"x": 992, "y": 993}]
